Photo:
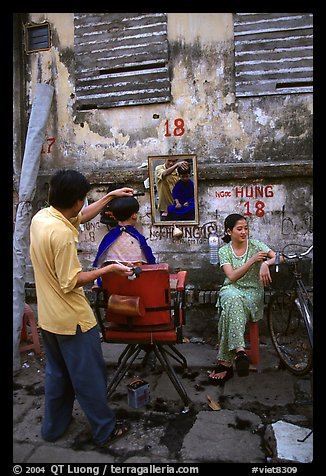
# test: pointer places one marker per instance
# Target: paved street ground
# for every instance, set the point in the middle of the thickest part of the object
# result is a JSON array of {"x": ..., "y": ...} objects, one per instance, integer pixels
[{"x": 235, "y": 432}]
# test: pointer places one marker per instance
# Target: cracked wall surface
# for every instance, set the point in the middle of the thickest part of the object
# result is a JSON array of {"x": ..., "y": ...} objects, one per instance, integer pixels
[{"x": 242, "y": 144}]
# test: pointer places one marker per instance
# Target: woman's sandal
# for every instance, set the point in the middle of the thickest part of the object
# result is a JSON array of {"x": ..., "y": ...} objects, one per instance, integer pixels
[
  {"x": 219, "y": 369},
  {"x": 242, "y": 363},
  {"x": 119, "y": 431}
]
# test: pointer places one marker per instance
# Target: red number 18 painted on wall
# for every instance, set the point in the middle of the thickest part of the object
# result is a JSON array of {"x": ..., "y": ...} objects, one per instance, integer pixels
[
  {"x": 259, "y": 209},
  {"x": 178, "y": 128}
]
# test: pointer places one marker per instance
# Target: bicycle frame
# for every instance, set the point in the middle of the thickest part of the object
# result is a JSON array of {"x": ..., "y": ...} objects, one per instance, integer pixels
[
  {"x": 304, "y": 299},
  {"x": 293, "y": 341},
  {"x": 305, "y": 302}
]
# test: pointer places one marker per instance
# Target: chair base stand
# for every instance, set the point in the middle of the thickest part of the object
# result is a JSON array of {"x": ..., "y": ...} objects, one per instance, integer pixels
[{"x": 162, "y": 352}]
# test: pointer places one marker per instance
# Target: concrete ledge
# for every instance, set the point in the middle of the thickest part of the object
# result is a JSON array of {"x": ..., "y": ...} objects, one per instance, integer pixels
[
  {"x": 215, "y": 170},
  {"x": 232, "y": 171}
]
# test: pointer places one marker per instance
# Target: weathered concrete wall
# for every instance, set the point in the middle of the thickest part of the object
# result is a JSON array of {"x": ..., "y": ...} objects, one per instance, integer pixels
[{"x": 254, "y": 154}]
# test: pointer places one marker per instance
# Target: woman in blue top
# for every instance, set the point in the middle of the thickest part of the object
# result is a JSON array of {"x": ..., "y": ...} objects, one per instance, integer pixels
[
  {"x": 183, "y": 195},
  {"x": 245, "y": 263}
]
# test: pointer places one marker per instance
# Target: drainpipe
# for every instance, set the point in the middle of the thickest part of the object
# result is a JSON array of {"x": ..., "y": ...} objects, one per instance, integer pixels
[{"x": 27, "y": 186}]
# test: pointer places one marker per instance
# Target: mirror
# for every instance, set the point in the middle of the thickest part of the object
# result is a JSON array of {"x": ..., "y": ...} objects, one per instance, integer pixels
[{"x": 173, "y": 189}]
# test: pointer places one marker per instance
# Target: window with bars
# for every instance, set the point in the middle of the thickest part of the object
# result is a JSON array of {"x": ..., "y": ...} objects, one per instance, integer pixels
[
  {"x": 273, "y": 53},
  {"x": 121, "y": 59},
  {"x": 37, "y": 37}
]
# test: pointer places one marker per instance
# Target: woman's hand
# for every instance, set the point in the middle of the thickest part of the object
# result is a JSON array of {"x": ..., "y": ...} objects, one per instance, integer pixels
[
  {"x": 260, "y": 256},
  {"x": 264, "y": 274}
]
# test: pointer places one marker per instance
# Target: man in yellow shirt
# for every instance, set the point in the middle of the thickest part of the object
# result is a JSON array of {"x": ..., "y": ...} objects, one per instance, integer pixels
[
  {"x": 166, "y": 176},
  {"x": 75, "y": 366}
]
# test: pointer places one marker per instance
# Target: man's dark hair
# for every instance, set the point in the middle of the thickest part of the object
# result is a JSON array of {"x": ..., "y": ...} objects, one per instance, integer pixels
[
  {"x": 123, "y": 207},
  {"x": 66, "y": 187}
]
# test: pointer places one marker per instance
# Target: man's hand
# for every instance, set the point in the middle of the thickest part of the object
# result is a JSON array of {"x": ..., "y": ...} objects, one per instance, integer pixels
[
  {"x": 121, "y": 192},
  {"x": 184, "y": 164},
  {"x": 90, "y": 212},
  {"x": 85, "y": 277},
  {"x": 118, "y": 268},
  {"x": 170, "y": 168}
]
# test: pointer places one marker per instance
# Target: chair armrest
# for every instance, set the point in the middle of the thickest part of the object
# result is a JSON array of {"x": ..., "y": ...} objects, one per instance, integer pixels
[{"x": 177, "y": 283}]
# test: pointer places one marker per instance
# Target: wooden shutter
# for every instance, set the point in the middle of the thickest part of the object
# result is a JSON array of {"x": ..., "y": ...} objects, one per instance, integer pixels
[
  {"x": 273, "y": 53},
  {"x": 121, "y": 59}
]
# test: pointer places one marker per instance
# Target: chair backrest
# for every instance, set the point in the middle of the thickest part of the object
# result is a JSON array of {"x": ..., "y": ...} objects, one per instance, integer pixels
[{"x": 153, "y": 288}]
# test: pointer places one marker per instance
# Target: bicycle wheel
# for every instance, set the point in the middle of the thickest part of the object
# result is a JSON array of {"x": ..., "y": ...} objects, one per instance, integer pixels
[{"x": 288, "y": 333}]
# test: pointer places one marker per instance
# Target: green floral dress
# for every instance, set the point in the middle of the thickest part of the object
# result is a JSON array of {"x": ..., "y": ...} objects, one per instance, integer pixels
[{"x": 239, "y": 301}]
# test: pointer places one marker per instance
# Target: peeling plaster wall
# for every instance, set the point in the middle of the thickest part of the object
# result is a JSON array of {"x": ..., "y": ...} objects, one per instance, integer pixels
[{"x": 226, "y": 133}]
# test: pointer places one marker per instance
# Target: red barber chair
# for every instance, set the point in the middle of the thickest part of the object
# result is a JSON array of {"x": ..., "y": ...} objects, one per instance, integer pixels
[{"x": 146, "y": 313}]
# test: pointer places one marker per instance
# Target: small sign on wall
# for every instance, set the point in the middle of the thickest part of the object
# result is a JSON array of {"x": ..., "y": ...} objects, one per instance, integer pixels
[{"x": 248, "y": 200}]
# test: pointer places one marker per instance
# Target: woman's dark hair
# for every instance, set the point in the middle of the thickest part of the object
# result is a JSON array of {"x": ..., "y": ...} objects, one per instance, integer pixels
[
  {"x": 66, "y": 187},
  {"x": 229, "y": 224},
  {"x": 123, "y": 207},
  {"x": 182, "y": 171}
]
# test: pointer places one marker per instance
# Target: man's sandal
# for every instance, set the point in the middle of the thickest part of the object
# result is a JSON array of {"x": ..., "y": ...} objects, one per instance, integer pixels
[
  {"x": 242, "y": 363},
  {"x": 219, "y": 369},
  {"x": 120, "y": 430}
]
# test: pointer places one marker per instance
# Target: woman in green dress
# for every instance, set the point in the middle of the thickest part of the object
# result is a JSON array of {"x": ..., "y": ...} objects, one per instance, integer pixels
[{"x": 245, "y": 263}]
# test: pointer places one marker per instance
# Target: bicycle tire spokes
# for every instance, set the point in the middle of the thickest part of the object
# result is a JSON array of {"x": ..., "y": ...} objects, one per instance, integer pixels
[{"x": 288, "y": 333}]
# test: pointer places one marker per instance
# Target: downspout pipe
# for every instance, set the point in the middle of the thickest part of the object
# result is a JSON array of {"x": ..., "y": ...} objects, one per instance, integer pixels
[{"x": 27, "y": 187}]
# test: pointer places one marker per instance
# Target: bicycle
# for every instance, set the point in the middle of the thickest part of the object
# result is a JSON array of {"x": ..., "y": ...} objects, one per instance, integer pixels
[{"x": 290, "y": 318}]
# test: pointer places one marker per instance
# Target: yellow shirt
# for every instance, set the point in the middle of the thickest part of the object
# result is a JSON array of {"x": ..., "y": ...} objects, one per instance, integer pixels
[
  {"x": 53, "y": 249},
  {"x": 165, "y": 187}
]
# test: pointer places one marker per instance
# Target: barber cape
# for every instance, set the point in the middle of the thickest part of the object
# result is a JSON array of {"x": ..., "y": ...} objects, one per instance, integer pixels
[{"x": 113, "y": 234}]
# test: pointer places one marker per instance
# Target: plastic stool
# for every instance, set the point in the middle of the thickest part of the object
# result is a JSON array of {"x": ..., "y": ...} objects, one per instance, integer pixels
[
  {"x": 252, "y": 337},
  {"x": 29, "y": 333}
]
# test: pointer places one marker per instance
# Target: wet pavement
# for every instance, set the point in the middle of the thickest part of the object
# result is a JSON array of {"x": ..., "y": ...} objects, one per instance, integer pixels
[{"x": 222, "y": 426}]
